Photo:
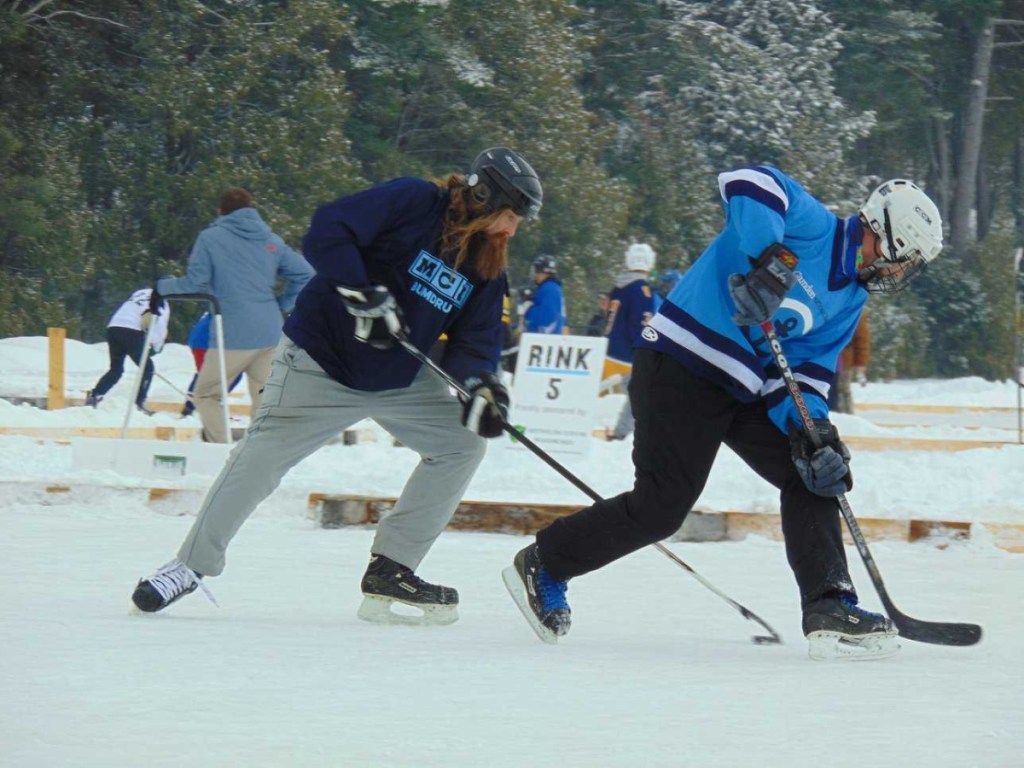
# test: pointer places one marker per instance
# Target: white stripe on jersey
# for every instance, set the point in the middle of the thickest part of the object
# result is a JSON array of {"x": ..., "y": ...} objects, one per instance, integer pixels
[
  {"x": 819, "y": 386},
  {"x": 762, "y": 180},
  {"x": 687, "y": 340}
]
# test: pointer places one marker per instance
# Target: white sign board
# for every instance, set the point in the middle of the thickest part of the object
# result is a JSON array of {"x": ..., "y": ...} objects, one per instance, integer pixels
[
  {"x": 554, "y": 393},
  {"x": 148, "y": 459}
]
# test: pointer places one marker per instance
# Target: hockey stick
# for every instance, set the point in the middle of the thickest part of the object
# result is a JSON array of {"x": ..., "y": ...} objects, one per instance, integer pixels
[
  {"x": 772, "y": 638},
  {"x": 172, "y": 385},
  {"x": 937, "y": 633}
]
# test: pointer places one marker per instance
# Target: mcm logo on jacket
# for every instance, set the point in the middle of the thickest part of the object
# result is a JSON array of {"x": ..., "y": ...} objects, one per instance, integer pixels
[{"x": 438, "y": 284}]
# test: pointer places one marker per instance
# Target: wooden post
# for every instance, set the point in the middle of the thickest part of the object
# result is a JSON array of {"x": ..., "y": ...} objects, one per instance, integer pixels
[{"x": 55, "y": 388}]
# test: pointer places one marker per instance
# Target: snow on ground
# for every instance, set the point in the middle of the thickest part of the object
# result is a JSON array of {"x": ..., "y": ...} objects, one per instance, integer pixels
[
  {"x": 979, "y": 485},
  {"x": 657, "y": 670}
]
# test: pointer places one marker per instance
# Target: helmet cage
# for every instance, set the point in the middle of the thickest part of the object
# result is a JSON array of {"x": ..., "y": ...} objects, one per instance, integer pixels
[{"x": 911, "y": 242}]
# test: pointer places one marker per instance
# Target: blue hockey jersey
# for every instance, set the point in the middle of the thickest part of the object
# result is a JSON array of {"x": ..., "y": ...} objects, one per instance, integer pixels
[
  {"x": 816, "y": 320},
  {"x": 547, "y": 309},
  {"x": 391, "y": 235}
]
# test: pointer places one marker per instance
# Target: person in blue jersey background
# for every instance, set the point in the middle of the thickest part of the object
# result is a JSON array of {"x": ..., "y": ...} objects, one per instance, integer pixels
[
  {"x": 631, "y": 304},
  {"x": 703, "y": 377},
  {"x": 410, "y": 258},
  {"x": 546, "y": 313}
]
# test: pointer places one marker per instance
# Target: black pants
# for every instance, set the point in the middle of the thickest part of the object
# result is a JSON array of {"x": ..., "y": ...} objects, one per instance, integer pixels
[
  {"x": 681, "y": 421},
  {"x": 121, "y": 343}
]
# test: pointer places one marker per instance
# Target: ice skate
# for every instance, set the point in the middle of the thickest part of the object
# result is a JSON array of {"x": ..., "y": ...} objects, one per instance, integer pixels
[
  {"x": 169, "y": 584},
  {"x": 838, "y": 629},
  {"x": 540, "y": 597},
  {"x": 388, "y": 585}
]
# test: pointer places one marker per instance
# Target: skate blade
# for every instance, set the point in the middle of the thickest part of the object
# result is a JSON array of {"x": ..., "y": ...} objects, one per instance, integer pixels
[
  {"x": 517, "y": 590},
  {"x": 382, "y": 610},
  {"x": 834, "y": 646}
]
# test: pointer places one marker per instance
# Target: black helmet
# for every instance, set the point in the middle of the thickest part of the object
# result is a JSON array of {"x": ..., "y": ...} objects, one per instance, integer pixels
[
  {"x": 545, "y": 263},
  {"x": 509, "y": 181}
]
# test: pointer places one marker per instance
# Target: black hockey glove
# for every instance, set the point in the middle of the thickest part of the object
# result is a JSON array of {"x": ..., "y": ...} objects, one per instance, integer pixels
[
  {"x": 155, "y": 300},
  {"x": 759, "y": 293},
  {"x": 378, "y": 316},
  {"x": 826, "y": 470},
  {"x": 486, "y": 410}
]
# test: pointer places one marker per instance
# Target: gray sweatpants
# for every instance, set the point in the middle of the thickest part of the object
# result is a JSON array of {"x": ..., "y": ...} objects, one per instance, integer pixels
[{"x": 302, "y": 409}]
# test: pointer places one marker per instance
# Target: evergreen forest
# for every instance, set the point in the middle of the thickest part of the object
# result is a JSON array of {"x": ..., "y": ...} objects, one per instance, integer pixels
[{"x": 122, "y": 120}]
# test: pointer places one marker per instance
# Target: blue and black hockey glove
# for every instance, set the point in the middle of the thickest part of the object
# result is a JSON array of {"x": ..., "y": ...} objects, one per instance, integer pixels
[
  {"x": 378, "y": 316},
  {"x": 825, "y": 470},
  {"x": 486, "y": 410},
  {"x": 759, "y": 293}
]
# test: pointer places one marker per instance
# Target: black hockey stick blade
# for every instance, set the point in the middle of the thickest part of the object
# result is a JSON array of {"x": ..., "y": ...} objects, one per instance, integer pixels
[{"x": 933, "y": 632}]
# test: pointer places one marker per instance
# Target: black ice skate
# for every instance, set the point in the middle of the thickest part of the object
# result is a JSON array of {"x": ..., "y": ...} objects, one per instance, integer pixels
[
  {"x": 386, "y": 583},
  {"x": 540, "y": 597},
  {"x": 170, "y": 583},
  {"x": 837, "y": 628}
]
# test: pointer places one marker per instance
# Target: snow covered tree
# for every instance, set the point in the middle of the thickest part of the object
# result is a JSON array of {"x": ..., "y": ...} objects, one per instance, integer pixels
[{"x": 763, "y": 88}]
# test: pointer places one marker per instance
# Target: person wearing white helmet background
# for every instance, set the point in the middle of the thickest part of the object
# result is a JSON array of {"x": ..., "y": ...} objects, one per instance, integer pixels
[
  {"x": 703, "y": 377},
  {"x": 631, "y": 304}
]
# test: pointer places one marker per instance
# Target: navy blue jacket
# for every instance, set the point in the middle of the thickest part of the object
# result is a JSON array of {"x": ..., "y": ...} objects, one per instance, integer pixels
[
  {"x": 390, "y": 235},
  {"x": 630, "y": 307}
]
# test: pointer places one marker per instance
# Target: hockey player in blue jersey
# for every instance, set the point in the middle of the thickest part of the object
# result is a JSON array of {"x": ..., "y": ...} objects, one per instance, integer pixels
[
  {"x": 703, "y": 377},
  {"x": 546, "y": 313},
  {"x": 410, "y": 257},
  {"x": 631, "y": 306}
]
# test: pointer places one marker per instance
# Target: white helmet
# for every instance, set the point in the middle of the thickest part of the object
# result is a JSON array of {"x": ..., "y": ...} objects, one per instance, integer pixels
[
  {"x": 910, "y": 229},
  {"x": 640, "y": 257}
]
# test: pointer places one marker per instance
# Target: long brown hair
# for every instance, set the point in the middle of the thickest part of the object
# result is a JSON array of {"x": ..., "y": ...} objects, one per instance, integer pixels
[{"x": 464, "y": 234}]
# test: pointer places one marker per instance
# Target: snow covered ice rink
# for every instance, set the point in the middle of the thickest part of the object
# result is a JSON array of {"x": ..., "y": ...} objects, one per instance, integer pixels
[{"x": 657, "y": 670}]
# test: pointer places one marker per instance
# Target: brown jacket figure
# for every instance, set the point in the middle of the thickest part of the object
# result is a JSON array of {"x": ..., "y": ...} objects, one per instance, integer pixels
[{"x": 853, "y": 364}]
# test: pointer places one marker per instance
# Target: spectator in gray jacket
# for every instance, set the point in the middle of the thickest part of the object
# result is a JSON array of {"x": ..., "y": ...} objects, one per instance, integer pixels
[{"x": 239, "y": 259}]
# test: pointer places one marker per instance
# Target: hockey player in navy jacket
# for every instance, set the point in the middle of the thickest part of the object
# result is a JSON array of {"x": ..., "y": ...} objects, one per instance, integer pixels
[
  {"x": 409, "y": 258},
  {"x": 703, "y": 377}
]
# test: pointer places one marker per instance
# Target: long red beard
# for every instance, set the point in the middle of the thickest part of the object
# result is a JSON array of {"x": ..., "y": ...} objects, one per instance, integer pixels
[{"x": 491, "y": 256}]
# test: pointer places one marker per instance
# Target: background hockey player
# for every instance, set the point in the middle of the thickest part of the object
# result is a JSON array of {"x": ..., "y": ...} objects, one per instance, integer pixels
[
  {"x": 631, "y": 305},
  {"x": 546, "y": 313},
  {"x": 414, "y": 257},
  {"x": 126, "y": 337},
  {"x": 703, "y": 376}
]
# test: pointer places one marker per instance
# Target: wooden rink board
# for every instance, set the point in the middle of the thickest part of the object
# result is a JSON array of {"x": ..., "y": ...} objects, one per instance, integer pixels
[
  {"x": 331, "y": 510},
  {"x": 353, "y": 437},
  {"x": 339, "y": 510}
]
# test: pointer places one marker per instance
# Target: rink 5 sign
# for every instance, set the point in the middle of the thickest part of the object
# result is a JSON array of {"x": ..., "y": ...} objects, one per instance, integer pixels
[{"x": 554, "y": 394}]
